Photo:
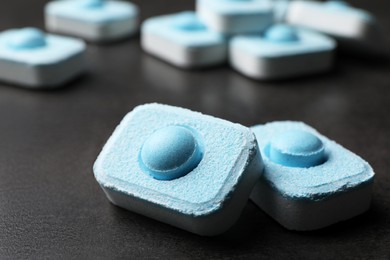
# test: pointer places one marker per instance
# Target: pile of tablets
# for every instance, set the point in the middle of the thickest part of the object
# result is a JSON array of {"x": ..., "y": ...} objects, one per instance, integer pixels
[
  {"x": 262, "y": 39},
  {"x": 197, "y": 172}
]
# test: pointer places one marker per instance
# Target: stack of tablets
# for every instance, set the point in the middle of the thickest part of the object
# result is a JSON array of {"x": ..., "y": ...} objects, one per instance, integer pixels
[
  {"x": 196, "y": 172},
  {"x": 262, "y": 39}
]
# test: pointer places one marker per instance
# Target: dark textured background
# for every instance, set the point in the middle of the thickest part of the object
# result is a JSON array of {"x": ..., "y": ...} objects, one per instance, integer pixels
[{"x": 51, "y": 205}]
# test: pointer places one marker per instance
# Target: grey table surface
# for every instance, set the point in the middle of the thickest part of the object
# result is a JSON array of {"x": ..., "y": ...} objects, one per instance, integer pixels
[{"x": 52, "y": 207}]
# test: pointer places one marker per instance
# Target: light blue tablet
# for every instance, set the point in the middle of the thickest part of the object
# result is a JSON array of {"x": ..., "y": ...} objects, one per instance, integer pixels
[
  {"x": 93, "y": 20},
  {"x": 180, "y": 167},
  {"x": 280, "y": 52},
  {"x": 309, "y": 181},
  {"x": 183, "y": 40},
  {"x": 31, "y": 58},
  {"x": 355, "y": 29}
]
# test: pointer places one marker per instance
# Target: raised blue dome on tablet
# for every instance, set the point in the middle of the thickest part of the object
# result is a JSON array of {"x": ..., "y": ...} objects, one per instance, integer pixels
[
  {"x": 296, "y": 148},
  {"x": 340, "y": 5},
  {"x": 92, "y": 3},
  {"x": 188, "y": 21},
  {"x": 171, "y": 152},
  {"x": 281, "y": 33},
  {"x": 27, "y": 38}
]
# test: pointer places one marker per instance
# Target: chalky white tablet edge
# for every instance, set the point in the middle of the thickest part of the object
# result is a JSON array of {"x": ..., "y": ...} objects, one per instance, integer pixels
[
  {"x": 304, "y": 215},
  {"x": 46, "y": 76},
  {"x": 272, "y": 69},
  {"x": 180, "y": 55},
  {"x": 207, "y": 225}
]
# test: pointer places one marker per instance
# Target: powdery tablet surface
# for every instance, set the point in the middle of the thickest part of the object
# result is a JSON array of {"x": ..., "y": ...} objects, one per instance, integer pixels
[
  {"x": 30, "y": 58},
  {"x": 309, "y": 181},
  {"x": 236, "y": 16},
  {"x": 180, "y": 167},
  {"x": 93, "y": 20},
  {"x": 355, "y": 29},
  {"x": 182, "y": 40},
  {"x": 280, "y": 52}
]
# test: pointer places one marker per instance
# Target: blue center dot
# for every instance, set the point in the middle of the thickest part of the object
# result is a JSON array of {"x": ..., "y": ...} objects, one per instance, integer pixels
[
  {"x": 296, "y": 148},
  {"x": 281, "y": 33},
  {"x": 239, "y": 0},
  {"x": 171, "y": 152},
  {"x": 188, "y": 21},
  {"x": 27, "y": 38},
  {"x": 92, "y": 3},
  {"x": 339, "y": 5}
]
